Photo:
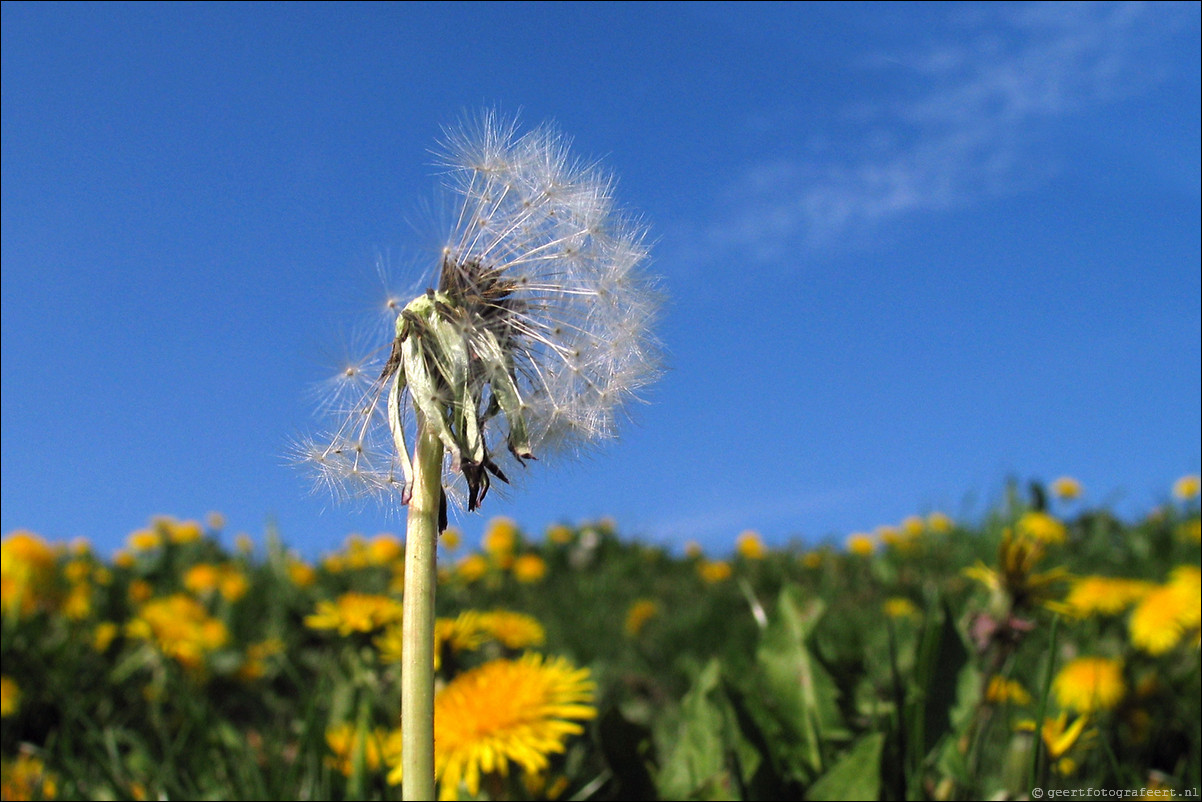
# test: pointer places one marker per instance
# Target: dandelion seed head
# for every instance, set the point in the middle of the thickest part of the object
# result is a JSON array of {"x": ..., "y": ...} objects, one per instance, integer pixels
[{"x": 533, "y": 337}]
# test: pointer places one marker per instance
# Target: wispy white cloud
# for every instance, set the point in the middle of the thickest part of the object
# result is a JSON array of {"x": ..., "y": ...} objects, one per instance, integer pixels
[{"x": 967, "y": 130}]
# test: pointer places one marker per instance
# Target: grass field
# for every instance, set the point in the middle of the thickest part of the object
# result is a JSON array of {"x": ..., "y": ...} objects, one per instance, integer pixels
[{"x": 1045, "y": 646}]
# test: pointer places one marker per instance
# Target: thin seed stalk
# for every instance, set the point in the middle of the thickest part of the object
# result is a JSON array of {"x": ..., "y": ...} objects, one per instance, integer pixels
[{"x": 417, "y": 677}]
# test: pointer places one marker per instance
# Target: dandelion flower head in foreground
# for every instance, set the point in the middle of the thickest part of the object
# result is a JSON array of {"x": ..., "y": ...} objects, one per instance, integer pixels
[
  {"x": 533, "y": 336},
  {"x": 506, "y": 712}
]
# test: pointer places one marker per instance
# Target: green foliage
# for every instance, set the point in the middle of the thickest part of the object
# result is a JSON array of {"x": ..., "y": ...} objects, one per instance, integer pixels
[{"x": 791, "y": 673}]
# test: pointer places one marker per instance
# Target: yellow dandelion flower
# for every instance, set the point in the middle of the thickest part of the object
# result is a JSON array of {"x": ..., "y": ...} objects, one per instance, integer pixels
[
  {"x": 103, "y": 635},
  {"x": 1060, "y": 737},
  {"x": 1187, "y": 576},
  {"x": 10, "y": 696},
  {"x": 464, "y": 633},
  {"x": 861, "y": 544},
  {"x": 390, "y": 644},
  {"x": 506, "y": 712},
  {"x": 913, "y": 526},
  {"x": 215, "y": 520},
  {"x": 638, "y": 615},
  {"x": 1090, "y": 684},
  {"x": 714, "y": 571},
  {"x": 901, "y": 540},
  {"x": 346, "y": 741},
  {"x": 27, "y": 566},
  {"x": 355, "y": 553},
  {"x": 244, "y": 543},
  {"x": 812, "y": 559},
  {"x": 1103, "y": 595},
  {"x": 180, "y": 627},
  {"x": 559, "y": 534},
  {"x": 899, "y": 607},
  {"x": 1168, "y": 613},
  {"x": 1015, "y": 575},
  {"x": 940, "y": 522},
  {"x": 693, "y": 550},
  {"x": 529, "y": 568},
  {"x": 234, "y": 584},
  {"x": 512, "y": 630},
  {"x": 890, "y": 536},
  {"x": 144, "y": 540},
  {"x": 301, "y": 573},
  {"x": 77, "y": 570},
  {"x": 123, "y": 559},
  {"x": 77, "y": 605},
  {"x": 139, "y": 590},
  {"x": 1066, "y": 488},
  {"x": 385, "y": 549},
  {"x": 1041, "y": 526},
  {"x": 750, "y": 546},
  {"x": 500, "y": 537},
  {"x": 26, "y": 777},
  {"x": 183, "y": 532},
  {"x": 1187, "y": 487},
  {"x": 355, "y": 612},
  {"x": 1005, "y": 691},
  {"x": 258, "y": 654},
  {"x": 450, "y": 539},
  {"x": 202, "y": 578},
  {"x": 472, "y": 568}
]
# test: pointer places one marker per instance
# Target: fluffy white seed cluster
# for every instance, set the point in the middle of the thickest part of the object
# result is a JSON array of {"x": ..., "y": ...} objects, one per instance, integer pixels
[{"x": 533, "y": 338}]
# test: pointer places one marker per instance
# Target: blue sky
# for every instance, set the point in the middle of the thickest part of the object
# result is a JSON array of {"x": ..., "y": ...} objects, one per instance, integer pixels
[{"x": 911, "y": 250}]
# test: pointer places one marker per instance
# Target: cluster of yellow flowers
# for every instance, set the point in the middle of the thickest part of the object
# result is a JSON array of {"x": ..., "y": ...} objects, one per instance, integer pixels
[
  {"x": 167, "y": 600},
  {"x": 470, "y": 631},
  {"x": 502, "y": 712},
  {"x": 26, "y": 777},
  {"x": 903, "y": 538},
  {"x": 26, "y": 576},
  {"x": 1168, "y": 614},
  {"x": 502, "y": 553},
  {"x": 750, "y": 547},
  {"x": 383, "y": 550},
  {"x": 1160, "y": 617},
  {"x": 180, "y": 627},
  {"x": 513, "y": 708},
  {"x": 508, "y": 710},
  {"x": 175, "y": 607}
]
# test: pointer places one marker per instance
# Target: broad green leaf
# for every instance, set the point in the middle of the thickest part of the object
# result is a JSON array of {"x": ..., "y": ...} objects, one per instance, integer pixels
[
  {"x": 797, "y": 688},
  {"x": 857, "y": 775},
  {"x": 696, "y": 767}
]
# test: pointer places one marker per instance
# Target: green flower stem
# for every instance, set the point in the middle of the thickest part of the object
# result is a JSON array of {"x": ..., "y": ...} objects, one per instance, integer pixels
[{"x": 417, "y": 678}]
